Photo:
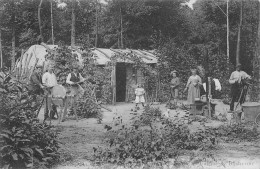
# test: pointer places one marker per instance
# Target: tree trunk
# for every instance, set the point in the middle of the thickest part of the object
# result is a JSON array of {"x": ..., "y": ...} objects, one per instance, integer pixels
[
  {"x": 239, "y": 33},
  {"x": 256, "y": 64},
  {"x": 13, "y": 48},
  {"x": 228, "y": 57},
  {"x": 121, "y": 28},
  {"x": 52, "y": 33},
  {"x": 13, "y": 37},
  {"x": 39, "y": 19},
  {"x": 1, "y": 53},
  {"x": 73, "y": 22},
  {"x": 96, "y": 39}
]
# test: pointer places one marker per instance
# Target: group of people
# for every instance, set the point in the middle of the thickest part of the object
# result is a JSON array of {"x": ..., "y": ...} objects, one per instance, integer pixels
[
  {"x": 193, "y": 86},
  {"x": 43, "y": 84}
]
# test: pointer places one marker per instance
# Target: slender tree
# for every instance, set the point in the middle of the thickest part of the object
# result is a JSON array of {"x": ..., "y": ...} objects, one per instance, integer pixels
[
  {"x": 1, "y": 53},
  {"x": 13, "y": 35},
  {"x": 239, "y": 33},
  {"x": 97, "y": 9},
  {"x": 257, "y": 58},
  {"x": 52, "y": 33},
  {"x": 39, "y": 19},
  {"x": 121, "y": 28},
  {"x": 73, "y": 23}
]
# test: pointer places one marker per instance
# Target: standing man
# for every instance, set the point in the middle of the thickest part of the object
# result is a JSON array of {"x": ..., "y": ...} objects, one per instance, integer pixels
[
  {"x": 36, "y": 86},
  {"x": 236, "y": 81},
  {"x": 49, "y": 81},
  {"x": 74, "y": 79}
]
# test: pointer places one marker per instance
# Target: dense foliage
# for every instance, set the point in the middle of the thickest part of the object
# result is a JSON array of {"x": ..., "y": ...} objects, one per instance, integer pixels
[
  {"x": 25, "y": 142},
  {"x": 183, "y": 37}
]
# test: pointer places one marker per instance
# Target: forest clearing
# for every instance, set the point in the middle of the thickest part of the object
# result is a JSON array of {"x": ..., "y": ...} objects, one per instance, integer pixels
[
  {"x": 79, "y": 138},
  {"x": 129, "y": 84}
]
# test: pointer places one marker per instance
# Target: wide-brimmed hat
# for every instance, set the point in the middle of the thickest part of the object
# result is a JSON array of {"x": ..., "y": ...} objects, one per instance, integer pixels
[
  {"x": 39, "y": 66},
  {"x": 174, "y": 71},
  {"x": 238, "y": 65}
]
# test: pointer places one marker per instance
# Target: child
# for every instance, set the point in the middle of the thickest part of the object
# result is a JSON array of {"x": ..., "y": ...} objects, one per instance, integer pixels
[
  {"x": 175, "y": 82},
  {"x": 139, "y": 92}
]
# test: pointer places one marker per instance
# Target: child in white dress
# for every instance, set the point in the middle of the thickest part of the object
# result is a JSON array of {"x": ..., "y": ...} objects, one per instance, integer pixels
[{"x": 139, "y": 92}]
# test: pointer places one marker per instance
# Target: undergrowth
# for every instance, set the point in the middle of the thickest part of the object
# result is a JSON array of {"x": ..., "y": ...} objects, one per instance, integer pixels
[
  {"x": 24, "y": 141},
  {"x": 151, "y": 137}
]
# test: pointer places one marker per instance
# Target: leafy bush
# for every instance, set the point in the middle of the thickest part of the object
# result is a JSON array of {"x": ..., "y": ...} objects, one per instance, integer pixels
[
  {"x": 151, "y": 138},
  {"x": 236, "y": 133},
  {"x": 25, "y": 142}
]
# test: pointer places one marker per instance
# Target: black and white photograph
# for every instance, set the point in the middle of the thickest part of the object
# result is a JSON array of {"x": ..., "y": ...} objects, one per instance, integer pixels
[{"x": 129, "y": 84}]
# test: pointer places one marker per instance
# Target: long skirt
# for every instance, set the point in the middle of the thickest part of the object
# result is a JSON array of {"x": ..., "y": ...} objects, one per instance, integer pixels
[
  {"x": 193, "y": 92},
  {"x": 174, "y": 93}
]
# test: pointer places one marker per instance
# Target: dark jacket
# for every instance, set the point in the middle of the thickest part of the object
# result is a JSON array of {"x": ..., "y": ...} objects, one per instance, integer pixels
[{"x": 35, "y": 82}]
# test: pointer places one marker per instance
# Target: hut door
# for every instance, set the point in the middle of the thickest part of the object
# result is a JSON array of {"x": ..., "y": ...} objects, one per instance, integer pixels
[{"x": 120, "y": 82}]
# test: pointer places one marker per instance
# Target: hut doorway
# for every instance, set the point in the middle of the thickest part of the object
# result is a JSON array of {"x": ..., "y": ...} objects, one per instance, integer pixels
[{"x": 120, "y": 82}]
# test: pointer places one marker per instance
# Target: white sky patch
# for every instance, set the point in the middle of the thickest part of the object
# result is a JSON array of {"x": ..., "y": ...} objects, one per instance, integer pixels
[
  {"x": 190, "y": 3},
  {"x": 62, "y": 5}
]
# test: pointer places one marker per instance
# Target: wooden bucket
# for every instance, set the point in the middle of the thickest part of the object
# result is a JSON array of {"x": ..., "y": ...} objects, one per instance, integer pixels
[{"x": 251, "y": 110}]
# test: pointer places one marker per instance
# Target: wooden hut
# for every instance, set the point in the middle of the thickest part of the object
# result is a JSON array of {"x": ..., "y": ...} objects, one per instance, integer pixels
[{"x": 123, "y": 76}]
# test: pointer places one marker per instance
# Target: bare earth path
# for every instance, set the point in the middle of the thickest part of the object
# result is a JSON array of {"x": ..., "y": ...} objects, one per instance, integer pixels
[{"x": 79, "y": 138}]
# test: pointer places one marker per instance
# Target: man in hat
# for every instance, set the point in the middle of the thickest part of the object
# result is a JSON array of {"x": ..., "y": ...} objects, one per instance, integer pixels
[
  {"x": 36, "y": 86},
  {"x": 74, "y": 79},
  {"x": 236, "y": 81},
  {"x": 49, "y": 81},
  {"x": 175, "y": 82}
]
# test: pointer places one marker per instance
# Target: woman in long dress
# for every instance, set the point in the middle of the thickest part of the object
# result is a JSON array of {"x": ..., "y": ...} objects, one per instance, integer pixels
[{"x": 193, "y": 87}]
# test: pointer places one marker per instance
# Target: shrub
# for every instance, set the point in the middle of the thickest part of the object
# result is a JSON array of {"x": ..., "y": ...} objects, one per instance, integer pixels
[
  {"x": 25, "y": 142},
  {"x": 151, "y": 138}
]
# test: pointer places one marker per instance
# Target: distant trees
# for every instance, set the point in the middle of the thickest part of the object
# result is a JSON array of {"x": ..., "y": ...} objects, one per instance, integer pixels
[{"x": 140, "y": 24}]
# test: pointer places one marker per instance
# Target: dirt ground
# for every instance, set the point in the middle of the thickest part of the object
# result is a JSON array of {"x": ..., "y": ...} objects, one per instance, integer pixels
[{"x": 79, "y": 138}]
